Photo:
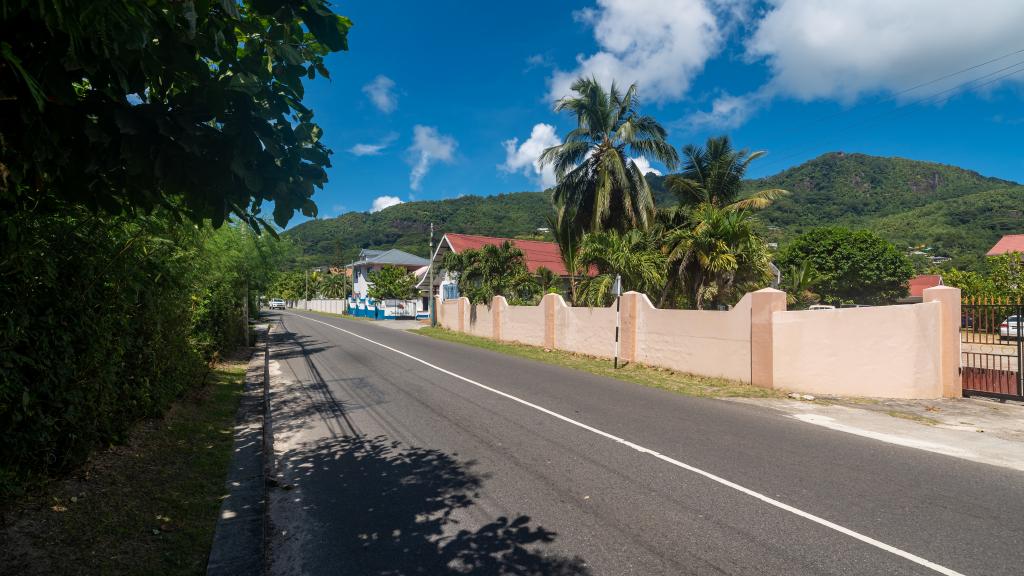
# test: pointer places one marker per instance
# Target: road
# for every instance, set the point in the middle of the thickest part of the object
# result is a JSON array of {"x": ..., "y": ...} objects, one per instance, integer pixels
[{"x": 400, "y": 454}]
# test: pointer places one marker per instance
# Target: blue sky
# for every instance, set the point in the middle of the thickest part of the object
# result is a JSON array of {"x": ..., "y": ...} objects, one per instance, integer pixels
[{"x": 427, "y": 102}]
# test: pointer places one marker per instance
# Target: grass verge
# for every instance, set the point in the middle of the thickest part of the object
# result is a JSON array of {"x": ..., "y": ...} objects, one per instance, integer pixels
[
  {"x": 688, "y": 384},
  {"x": 147, "y": 507}
]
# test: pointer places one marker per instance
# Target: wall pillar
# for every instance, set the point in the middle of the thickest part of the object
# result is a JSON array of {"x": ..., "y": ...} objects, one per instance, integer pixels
[
  {"x": 629, "y": 325},
  {"x": 550, "y": 304},
  {"x": 498, "y": 305},
  {"x": 763, "y": 304},
  {"x": 463, "y": 306},
  {"x": 949, "y": 339},
  {"x": 438, "y": 310}
]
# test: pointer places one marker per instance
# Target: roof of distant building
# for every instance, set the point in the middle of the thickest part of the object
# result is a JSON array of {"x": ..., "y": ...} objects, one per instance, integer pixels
[
  {"x": 536, "y": 253},
  {"x": 922, "y": 281},
  {"x": 1007, "y": 244},
  {"x": 393, "y": 257}
]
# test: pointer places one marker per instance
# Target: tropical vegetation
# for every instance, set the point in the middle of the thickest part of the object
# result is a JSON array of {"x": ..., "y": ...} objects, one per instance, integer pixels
[
  {"x": 634, "y": 256},
  {"x": 493, "y": 271},
  {"x": 141, "y": 143},
  {"x": 850, "y": 266},
  {"x": 961, "y": 217},
  {"x": 391, "y": 283},
  {"x": 1002, "y": 279},
  {"x": 596, "y": 177}
]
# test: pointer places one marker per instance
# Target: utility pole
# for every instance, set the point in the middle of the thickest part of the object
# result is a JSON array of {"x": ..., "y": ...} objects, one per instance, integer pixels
[
  {"x": 305, "y": 293},
  {"x": 430, "y": 270}
]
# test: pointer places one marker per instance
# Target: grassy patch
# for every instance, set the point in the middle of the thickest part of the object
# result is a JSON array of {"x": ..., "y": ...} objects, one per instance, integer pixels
[
  {"x": 663, "y": 378},
  {"x": 147, "y": 507}
]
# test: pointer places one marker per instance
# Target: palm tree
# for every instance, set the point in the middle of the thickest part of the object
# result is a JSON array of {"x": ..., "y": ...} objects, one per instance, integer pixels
[
  {"x": 547, "y": 280},
  {"x": 568, "y": 237},
  {"x": 799, "y": 285},
  {"x": 634, "y": 255},
  {"x": 713, "y": 174},
  {"x": 335, "y": 286},
  {"x": 492, "y": 271},
  {"x": 719, "y": 252},
  {"x": 316, "y": 280},
  {"x": 596, "y": 177}
]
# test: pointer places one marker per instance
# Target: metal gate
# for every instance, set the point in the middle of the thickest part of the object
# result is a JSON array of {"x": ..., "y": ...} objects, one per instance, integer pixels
[{"x": 992, "y": 348}]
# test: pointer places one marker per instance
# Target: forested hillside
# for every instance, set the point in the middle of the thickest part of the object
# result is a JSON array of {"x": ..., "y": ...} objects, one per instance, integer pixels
[
  {"x": 958, "y": 212},
  {"x": 406, "y": 226}
]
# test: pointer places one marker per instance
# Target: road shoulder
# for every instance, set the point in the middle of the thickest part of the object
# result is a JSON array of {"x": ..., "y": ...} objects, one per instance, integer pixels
[{"x": 238, "y": 543}]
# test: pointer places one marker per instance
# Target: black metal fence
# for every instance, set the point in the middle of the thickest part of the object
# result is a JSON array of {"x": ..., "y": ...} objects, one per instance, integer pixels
[{"x": 992, "y": 348}]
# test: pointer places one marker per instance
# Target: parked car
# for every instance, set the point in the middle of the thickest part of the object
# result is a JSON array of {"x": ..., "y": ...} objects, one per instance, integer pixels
[
  {"x": 1012, "y": 328},
  {"x": 821, "y": 307},
  {"x": 966, "y": 320},
  {"x": 276, "y": 304}
]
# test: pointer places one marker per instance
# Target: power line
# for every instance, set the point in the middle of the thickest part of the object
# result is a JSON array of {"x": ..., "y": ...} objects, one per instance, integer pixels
[
  {"x": 936, "y": 97},
  {"x": 896, "y": 95}
]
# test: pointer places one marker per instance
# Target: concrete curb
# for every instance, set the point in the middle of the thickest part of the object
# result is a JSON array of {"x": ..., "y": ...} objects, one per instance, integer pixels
[{"x": 238, "y": 542}]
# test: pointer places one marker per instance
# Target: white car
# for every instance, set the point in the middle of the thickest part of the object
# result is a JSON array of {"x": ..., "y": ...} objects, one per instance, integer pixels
[
  {"x": 276, "y": 304},
  {"x": 1012, "y": 328}
]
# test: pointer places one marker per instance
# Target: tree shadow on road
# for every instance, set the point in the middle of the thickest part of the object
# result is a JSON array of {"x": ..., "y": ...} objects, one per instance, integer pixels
[{"x": 375, "y": 507}]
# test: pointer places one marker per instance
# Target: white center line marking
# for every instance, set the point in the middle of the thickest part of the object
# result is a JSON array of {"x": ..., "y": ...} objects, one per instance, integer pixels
[{"x": 781, "y": 505}]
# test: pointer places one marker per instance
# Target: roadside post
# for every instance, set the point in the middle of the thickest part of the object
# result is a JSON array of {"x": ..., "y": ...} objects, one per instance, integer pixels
[
  {"x": 617, "y": 290},
  {"x": 430, "y": 270}
]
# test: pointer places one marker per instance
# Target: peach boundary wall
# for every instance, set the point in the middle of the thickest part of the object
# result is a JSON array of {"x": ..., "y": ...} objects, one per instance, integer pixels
[{"x": 907, "y": 351}]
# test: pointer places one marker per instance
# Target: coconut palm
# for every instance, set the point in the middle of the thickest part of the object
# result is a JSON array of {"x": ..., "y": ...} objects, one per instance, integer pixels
[
  {"x": 718, "y": 255},
  {"x": 713, "y": 174},
  {"x": 634, "y": 255},
  {"x": 568, "y": 236},
  {"x": 595, "y": 174}
]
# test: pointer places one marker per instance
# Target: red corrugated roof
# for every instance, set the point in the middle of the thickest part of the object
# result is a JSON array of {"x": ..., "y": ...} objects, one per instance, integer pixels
[
  {"x": 919, "y": 283},
  {"x": 1007, "y": 244},
  {"x": 537, "y": 253}
]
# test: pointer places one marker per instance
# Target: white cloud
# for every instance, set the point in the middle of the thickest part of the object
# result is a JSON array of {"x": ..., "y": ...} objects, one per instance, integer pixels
[
  {"x": 382, "y": 202},
  {"x": 644, "y": 165},
  {"x": 363, "y": 149},
  {"x": 525, "y": 158},
  {"x": 660, "y": 44},
  {"x": 842, "y": 49},
  {"x": 382, "y": 94},
  {"x": 428, "y": 146},
  {"x": 367, "y": 149},
  {"x": 727, "y": 112}
]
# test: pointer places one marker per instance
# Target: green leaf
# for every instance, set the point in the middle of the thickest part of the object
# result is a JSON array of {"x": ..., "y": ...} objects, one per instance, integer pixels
[{"x": 331, "y": 29}]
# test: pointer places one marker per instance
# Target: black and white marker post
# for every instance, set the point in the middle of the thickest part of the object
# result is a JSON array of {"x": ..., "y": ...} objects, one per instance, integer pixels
[{"x": 617, "y": 290}]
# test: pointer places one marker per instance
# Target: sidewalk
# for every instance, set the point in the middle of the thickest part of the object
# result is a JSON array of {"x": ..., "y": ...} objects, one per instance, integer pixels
[{"x": 975, "y": 429}]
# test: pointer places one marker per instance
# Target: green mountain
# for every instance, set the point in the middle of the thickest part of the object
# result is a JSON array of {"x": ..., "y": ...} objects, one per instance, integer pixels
[
  {"x": 407, "y": 226},
  {"x": 957, "y": 212}
]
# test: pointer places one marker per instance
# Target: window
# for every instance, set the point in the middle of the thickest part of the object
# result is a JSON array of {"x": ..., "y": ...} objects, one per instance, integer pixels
[{"x": 451, "y": 291}]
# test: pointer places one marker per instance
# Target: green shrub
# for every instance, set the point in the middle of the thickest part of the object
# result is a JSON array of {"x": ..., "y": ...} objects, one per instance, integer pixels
[{"x": 104, "y": 321}]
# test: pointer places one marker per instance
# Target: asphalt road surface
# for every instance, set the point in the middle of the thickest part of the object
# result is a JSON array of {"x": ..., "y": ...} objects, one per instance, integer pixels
[{"x": 399, "y": 454}]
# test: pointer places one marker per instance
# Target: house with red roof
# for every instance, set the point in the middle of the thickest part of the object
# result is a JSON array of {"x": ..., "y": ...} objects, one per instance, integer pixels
[
  {"x": 537, "y": 254},
  {"x": 918, "y": 284},
  {"x": 1008, "y": 244}
]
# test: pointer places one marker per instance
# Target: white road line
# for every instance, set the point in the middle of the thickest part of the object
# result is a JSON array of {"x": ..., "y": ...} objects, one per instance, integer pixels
[{"x": 781, "y": 505}]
